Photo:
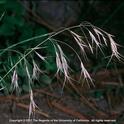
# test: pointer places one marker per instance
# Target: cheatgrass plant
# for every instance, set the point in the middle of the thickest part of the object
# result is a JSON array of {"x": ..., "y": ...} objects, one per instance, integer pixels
[{"x": 28, "y": 66}]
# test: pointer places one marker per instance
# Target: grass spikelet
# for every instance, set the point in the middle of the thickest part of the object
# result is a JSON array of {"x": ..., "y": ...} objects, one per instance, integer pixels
[
  {"x": 14, "y": 82},
  {"x": 80, "y": 43},
  {"x": 62, "y": 65},
  {"x": 36, "y": 71},
  {"x": 86, "y": 75},
  {"x": 32, "y": 106}
]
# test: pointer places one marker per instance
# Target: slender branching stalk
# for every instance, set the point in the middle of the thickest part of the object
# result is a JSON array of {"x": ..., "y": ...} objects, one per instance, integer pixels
[{"x": 1, "y": 17}]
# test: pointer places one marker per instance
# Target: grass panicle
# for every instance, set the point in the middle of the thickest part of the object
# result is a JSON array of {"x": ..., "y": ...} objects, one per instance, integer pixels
[{"x": 91, "y": 37}]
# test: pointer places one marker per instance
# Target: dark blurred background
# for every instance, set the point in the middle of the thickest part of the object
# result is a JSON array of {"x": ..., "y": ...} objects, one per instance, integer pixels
[{"x": 107, "y": 14}]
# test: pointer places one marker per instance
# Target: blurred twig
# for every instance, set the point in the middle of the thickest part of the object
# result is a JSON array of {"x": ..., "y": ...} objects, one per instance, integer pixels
[
  {"x": 37, "y": 111},
  {"x": 68, "y": 110}
]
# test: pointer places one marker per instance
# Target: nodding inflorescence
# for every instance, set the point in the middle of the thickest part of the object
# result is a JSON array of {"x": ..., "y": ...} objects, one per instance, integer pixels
[{"x": 90, "y": 37}]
